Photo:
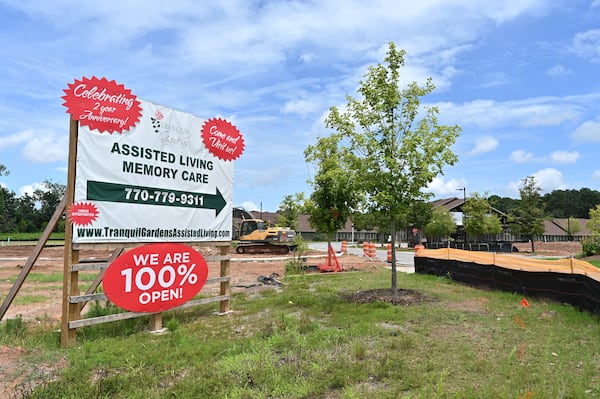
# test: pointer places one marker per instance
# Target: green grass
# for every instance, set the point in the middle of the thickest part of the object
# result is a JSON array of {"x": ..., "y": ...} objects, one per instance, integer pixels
[
  {"x": 595, "y": 262},
  {"x": 55, "y": 277},
  {"x": 29, "y": 299},
  {"x": 307, "y": 341},
  {"x": 30, "y": 236}
]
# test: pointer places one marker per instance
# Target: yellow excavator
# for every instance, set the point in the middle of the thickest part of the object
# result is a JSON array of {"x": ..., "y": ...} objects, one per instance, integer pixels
[{"x": 257, "y": 236}]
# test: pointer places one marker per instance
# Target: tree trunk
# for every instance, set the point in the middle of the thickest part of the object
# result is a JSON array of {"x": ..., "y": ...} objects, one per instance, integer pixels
[
  {"x": 393, "y": 243},
  {"x": 532, "y": 247}
]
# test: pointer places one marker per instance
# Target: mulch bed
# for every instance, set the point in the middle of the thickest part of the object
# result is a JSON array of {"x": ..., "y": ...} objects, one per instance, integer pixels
[{"x": 401, "y": 297}]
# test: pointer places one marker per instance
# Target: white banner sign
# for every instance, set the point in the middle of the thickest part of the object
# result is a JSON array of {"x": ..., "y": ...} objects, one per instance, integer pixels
[{"x": 156, "y": 182}]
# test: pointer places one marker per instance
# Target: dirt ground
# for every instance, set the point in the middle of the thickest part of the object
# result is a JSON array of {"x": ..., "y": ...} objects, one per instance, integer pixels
[
  {"x": 44, "y": 300},
  {"x": 566, "y": 248}
]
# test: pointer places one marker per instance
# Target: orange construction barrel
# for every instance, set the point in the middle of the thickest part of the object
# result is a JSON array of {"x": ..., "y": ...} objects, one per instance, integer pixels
[{"x": 418, "y": 249}]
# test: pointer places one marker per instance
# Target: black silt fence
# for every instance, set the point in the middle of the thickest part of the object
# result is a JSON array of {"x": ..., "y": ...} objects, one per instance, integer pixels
[{"x": 576, "y": 289}]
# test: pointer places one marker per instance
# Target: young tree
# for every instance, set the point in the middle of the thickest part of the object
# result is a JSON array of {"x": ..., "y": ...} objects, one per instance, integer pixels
[
  {"x": 442, "y": 225},
  {"x": 334, "y": 196},
  {"x": 479, "y": 219},
  {"x": 527, "y": 218},
  {"x": 573, "y": 227},
  {"x": 395, "y": 156},
  {"x": 289, "y": 210}
]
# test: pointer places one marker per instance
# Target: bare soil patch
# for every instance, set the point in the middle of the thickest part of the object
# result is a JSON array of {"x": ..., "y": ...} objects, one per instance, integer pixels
[
  {"x": 400, "y": 297},
  {"x": 566, "y": 248},
  {"x": 42, "y": 302}
]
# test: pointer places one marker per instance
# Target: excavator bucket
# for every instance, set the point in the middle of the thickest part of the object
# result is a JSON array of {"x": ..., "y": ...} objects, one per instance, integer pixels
[{"x": 333, "y": 264}]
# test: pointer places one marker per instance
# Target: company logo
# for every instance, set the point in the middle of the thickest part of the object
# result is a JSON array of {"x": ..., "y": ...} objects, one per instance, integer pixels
[{"x": 169, "y": 135}]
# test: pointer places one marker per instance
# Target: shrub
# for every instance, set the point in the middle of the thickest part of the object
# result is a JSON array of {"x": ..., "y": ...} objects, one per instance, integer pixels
[
  {"x": 15, "y": 326},
  {"x": 297, "y": 264},
  {"x": 591, "y": 245}
]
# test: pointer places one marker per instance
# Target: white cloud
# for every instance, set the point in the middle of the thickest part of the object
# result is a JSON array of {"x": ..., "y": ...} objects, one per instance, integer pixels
[
  {"x": 30, "y": 188},
  {"x": 302, "y": 106},
  {"x": 546, "y": 179},
  {"x": 558, "y": 71},
  {"x": 440, "y": 188},
  {"x": 38, "y": 146},
  {"x": 46, "y": 147},
  {"x": 15, "y": 139},
  {"x": 484, "y": 144},
  {"x": 549, "y": 179},
  {"x": 587, "y": 131},
  {"x": 596, "y": 174},
  {"x": 541, "y": 111},
  {"x": 564, "y": 157},
  {"x": 521, "y": 156},
  {"x": 250, "y": 206},
  {"x": 587, "y": 45}
]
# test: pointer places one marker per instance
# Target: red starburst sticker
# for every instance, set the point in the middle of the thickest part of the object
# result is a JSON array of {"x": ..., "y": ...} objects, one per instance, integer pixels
[
  {"x": 102, "y": 104},
  {"x": 222, "y": 139},
  {"x": 83, "y": 213}
]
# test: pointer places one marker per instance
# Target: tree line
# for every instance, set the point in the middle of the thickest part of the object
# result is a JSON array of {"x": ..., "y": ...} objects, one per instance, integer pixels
[
  {"x": 558, "y": 203},
  {"x": 29, "y": 213}
]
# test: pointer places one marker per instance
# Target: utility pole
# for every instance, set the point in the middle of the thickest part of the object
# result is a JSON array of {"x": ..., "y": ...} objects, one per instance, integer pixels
[{"x": 464, "y": 215}]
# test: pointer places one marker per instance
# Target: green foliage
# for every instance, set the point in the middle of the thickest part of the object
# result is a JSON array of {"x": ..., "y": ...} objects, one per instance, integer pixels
[
  {"x": 441, "y": 225},
  {"x": 290, "y": 208},
  {"x": 566, "y": 203},
  {"x": 419, "y": 214},
  {"x": 392, "y": 154},
  {"x": 297, "y": 264},
  {"x": 364, "y": 220},
  {"x": 30, "y": 213},
  {"x": 573, "y": 227},
  {"x": 172, "y": 325},
  {"x": 527, "y": 219},
  {"x": 335, "y": 193},
  {"x": 15, "y": 327},
  {"x": 503, "y": 204},
  {"x": 479, "y": 218},
  {"x": 594, "y": 223},
  {"x": 102, "y": 308},
  {"x": 591, "y": 245}
]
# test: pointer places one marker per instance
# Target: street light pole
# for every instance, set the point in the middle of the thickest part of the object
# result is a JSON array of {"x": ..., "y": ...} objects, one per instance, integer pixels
[{"x": 464, "y": 190}]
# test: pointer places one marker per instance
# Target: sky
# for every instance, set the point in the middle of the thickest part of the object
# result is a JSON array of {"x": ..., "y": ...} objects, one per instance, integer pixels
[{"x": 520, "y": 77}]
